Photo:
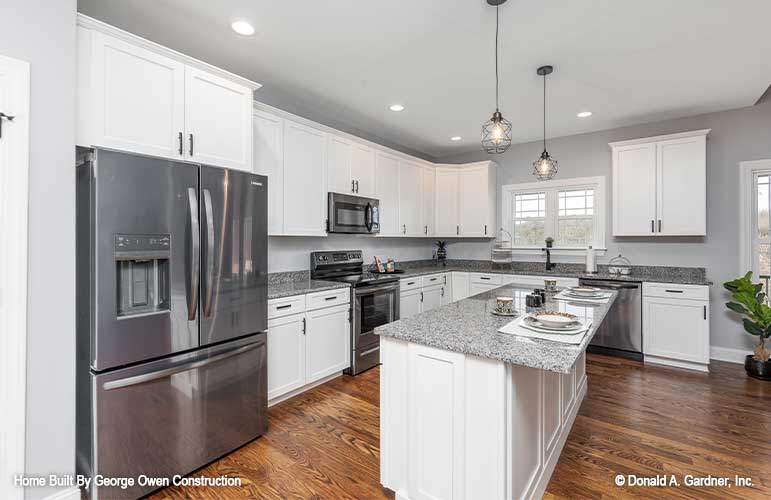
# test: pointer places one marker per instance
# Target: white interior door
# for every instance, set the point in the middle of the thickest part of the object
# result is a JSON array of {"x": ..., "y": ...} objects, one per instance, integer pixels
[
  {"x": 387, "y": 191},
  {"x": 682, "y": 187},
  {"x": 138, "y": 98},
  {"x": 410, "y": 198},
  {"x": 218, "y": 120},
  {"x": 269, "y": 161},
  {"x": 429, "y": 199},
  {"x": 14, "y": 173},
  {"x": 286, "y": 354},
  {"x": 304, "y": 180},
  {"x": 472, "y": 213},
  {"x": 446, "y": 202},
  {"x": 634, "y": 190},
  {"x": 363, "y": 170},
  {"x": 339, "y": 153}
]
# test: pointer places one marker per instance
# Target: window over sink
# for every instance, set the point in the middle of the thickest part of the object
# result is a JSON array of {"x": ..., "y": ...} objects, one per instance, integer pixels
[{"x": 572, "y": 211}]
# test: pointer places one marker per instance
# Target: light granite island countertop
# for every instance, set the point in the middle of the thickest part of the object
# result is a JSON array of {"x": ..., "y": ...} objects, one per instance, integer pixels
[{"x": 468, "y": 412}]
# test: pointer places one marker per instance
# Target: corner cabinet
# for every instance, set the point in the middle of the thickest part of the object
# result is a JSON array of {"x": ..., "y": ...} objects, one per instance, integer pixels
[
  {"x": 660, "y": 185},
  {"x": 137, "y": 96},
  {"x": 465, "y": 200}
]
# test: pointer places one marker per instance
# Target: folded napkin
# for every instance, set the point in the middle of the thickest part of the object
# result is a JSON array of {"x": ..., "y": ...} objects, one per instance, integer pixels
[
  {"x": 519, "y": 328},
  {"x": 589, "y": 300}
]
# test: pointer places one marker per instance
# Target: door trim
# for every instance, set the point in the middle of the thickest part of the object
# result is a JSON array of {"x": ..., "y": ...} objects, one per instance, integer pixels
[{"x": 14, "y": 199}]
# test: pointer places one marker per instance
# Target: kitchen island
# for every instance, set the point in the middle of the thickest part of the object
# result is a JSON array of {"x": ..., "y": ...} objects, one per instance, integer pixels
[{"x": 469, "y": 413}]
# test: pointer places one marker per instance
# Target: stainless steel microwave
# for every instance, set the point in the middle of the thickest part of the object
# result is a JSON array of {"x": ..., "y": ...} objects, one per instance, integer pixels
[{"x": 353, "y": 214}]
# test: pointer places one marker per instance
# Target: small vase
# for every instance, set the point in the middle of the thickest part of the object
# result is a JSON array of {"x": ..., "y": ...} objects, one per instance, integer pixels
[{"x": 760, "y": 370}]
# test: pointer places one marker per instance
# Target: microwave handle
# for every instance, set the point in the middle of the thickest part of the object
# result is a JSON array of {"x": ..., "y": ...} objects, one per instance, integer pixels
[{"x": 368, "y": 217}]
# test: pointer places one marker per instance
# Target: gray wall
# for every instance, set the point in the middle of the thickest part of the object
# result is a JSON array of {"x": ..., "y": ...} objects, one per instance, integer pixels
[
  {"x": 42, "y": 32},
  {"x": 737, "y": 135}
]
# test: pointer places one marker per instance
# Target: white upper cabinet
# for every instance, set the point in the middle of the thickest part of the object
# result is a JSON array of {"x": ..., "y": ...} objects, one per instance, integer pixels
[
  {"x": 429, "y": 200},
  {"x": 410, "y": 198},
  {"x": 218, "y": 120},
  {"x": 304, "y": 194},
  {"x": 660, "y": 185},
  {"x": 130, "y": 98},
  {"x": 339, "y": 178},
  {"x": 363, "y": 170},
  {"x": 269, "y": 161},
  {"x": 387, "y": 192},
  {"x": 447, "y": 196},
  {"x": 137, "y": 96}
]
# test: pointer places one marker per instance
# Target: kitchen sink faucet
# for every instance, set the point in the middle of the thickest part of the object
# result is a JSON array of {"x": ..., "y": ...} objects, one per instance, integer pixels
[{"x": 549, "y": 264}]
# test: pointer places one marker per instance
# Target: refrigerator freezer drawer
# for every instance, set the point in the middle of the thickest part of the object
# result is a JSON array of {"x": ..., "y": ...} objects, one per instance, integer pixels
[{"x": 174, "y": 415}]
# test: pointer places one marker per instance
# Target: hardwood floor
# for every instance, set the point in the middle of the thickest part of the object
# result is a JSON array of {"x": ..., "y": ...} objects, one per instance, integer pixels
[{"x": 642, "y": 420}]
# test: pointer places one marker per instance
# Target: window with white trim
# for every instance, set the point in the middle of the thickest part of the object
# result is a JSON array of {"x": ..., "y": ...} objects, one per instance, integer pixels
[
  {"x": 761, "y": 244},
  {"x": 572, "y": 211}
]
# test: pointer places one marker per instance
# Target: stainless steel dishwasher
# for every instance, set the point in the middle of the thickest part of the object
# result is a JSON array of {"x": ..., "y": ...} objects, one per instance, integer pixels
[{"x": 620, "y": 333}]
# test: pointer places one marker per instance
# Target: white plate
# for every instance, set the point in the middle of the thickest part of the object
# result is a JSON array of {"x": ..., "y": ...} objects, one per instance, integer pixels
[
  {"x": 533, "y": 323},
  {"x": 587, "y": 291},
  {"x": 554, "y": 319}
]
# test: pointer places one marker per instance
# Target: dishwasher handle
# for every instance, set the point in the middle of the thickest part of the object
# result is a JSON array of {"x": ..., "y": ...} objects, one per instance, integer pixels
[{"x": 611, "y": 286}]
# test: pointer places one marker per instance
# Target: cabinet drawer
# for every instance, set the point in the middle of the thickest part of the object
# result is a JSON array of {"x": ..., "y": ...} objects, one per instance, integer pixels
[
  {"x": 409, "y": 283},
  {"x": 487, "y": 279},
  {"x": 328, "y": 298},
  {"x": 285, "y": 306},
  {"x": 434, "y": 279},
  {"x": 694, "y": 292}
]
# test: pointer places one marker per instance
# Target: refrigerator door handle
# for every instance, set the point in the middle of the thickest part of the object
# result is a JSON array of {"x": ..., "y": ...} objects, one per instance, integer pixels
[
  {"x": 148, "y": 377},
  {"x": 209, "y": 251},
  {"x": 195, "y": 265}
]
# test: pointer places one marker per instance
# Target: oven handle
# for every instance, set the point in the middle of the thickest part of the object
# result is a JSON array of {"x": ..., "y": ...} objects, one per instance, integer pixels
[
  {"x": 371, "y": 290},
  {"x": 369, "y": 351}
]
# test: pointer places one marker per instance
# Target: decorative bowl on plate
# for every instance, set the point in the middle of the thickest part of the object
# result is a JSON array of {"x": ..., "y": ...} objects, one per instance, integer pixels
[
  {"x": 569, "y": 329},
  {"x": 587, "y": 291},
  {"x": 555, "y": 319}
]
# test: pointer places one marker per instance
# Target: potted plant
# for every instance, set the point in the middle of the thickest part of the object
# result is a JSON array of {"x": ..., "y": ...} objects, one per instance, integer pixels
[{"x": 749, "y": 300}]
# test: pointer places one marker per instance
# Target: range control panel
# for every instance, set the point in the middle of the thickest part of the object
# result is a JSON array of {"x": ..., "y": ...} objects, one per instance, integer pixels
[{"x": 336, "y": 258}]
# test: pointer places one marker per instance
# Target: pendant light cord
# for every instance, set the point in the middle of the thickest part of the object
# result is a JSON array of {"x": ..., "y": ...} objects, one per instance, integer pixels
[
  {"x": 544, "y": 112},
  {"x": 496, "y": 58}
]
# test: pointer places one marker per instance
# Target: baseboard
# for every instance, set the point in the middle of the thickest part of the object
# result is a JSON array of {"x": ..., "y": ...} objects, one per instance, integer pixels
[
  {"x": 68, "y": 494},
  {"x": 728, "y": 354},
  {"x": 300, "y": 390}
]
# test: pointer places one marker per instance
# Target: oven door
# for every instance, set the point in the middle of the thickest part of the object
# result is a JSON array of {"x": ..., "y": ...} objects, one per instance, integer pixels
[
  {"x": 353, "y": 214},
  {"x": 373, "y": 306}
]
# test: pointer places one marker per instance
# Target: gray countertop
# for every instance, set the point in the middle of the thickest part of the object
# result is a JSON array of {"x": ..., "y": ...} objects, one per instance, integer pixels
[
  {"x": 468, "y": 327},
  {"x": 278, "y": 290},
  {"x": 658, "y": 274}
]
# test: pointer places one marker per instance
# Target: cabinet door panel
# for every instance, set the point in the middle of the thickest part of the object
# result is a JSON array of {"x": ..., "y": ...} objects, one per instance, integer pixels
[
  {"x": 477, "y": 288},
  {"x": 339, "y": 165},
  {"x": 473, "y": 204},
  {"x": 409, "y": 304},
  {"x": 286, "y": 355},
  {"x": 410, "y": 199},
  {"x": 269, "y": 161},
  {"x": 676, "y": 329},
  {"x": 446, "y": 201},
  {"x": 432, "y": 297},
  {"x": 682, "y": 186},
  {"x": 304, "y": 180},
  {"x": 363, "y": 170},
  {"x": 429, "y": 200},
  {"x": 327, "y": 342},
  {"x": 139, "y": 98},
  {"x": 460, "y": 286},
  {"x": 387, "y": 191},
  {"x": 218, "y": 114},
  {"x": 634, "y": 190}
]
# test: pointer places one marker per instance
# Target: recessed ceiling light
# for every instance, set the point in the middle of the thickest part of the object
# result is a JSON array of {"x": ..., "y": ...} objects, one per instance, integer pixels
[
  {"x": 584, "y": 114},
  {"x": 396, "y": 107},
  {"x": 242, "y": 28},
  {"x": 456, "y": 138}
]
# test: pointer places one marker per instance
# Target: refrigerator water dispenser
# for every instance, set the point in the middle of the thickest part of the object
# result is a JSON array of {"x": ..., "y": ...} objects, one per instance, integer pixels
[{"x": 142, "y": 274}]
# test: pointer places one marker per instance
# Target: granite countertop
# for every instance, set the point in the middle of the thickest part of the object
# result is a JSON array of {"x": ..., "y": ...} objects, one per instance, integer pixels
[
  {"x": 653, "y": 274},
  {"x": 468, "y": 327},
  {"x": 281, "y": 289}
]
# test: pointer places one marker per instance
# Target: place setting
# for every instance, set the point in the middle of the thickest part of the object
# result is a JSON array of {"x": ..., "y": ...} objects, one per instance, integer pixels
[
  {"x": 556, "y": 326},
  {"x": 585, "y": 294}
]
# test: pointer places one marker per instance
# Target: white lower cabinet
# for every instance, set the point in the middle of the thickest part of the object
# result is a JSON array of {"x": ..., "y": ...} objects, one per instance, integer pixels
[
  {"x": 460, "y": 286},
  {"x": 306, "y": 345},
  {"x": 418, "y": 295},
  {"x": 409, "y": 303},
  {"x": 286, "y": 354},
  {"x": 327, "y": 342},
  {"x": 676, "y": 325},
  {"x": 432, "y": 297}
]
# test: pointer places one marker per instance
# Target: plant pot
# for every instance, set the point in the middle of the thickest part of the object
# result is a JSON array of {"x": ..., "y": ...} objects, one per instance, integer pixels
[{"x": 757, "y": 369}]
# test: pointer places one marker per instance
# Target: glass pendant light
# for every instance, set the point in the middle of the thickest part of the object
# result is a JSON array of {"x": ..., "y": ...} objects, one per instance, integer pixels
[
  {"x": 496, "y": 132},
  {"x": 544, "y": 167}
]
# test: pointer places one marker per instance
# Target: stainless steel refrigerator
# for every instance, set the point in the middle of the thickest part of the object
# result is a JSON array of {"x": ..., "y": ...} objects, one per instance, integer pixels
[{"x": 171, "y": 316}]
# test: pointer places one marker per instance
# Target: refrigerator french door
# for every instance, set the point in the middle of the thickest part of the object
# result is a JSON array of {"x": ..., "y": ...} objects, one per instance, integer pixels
[{"x": 171, "y": 315}]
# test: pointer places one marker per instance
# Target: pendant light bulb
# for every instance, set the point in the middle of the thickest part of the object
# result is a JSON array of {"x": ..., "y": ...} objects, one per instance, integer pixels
[{"x": 496, "y": 132}]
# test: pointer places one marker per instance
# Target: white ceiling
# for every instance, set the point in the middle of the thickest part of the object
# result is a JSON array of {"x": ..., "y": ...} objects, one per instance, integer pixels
[{"x": 628, "y": 61}]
